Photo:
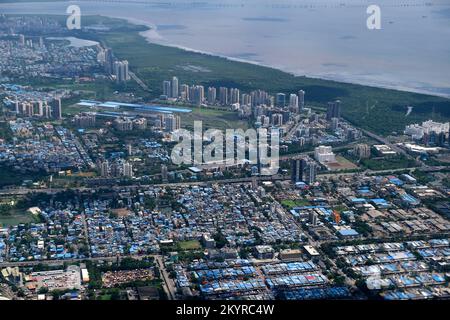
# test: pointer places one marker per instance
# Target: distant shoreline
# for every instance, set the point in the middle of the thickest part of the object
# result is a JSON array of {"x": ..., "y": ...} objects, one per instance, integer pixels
[
  {"x": 151, "y": 40},
  {"x": 410, "y": 86},
  {"x": 374, "y": 108},
  {"x": 368, "y": 84}
]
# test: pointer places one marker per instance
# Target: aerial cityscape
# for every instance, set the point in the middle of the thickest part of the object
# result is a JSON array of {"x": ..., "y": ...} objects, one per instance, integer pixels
[{"x": 134, "y": 170}]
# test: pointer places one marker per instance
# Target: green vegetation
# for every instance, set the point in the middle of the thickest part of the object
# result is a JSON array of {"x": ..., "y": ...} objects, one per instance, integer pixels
[
  {"x": 397, "y": 162},
  {"x": 290, "y": 204},
  {"x": 379, "y": 110},
  {"x": 130, "y": 264},
  {"x": 95, "y": 271},
  {"x": 422, "y": 177},
  {"x": 188, "y": 245},
  {"x": 213, "y": 118},
  {"x": 189, "y": 256},
  {"x": 362, "y": 228},
  {"x": 9, "y": 176},
  {"x": 376, "y": 109},
  {"x": 221, "y": 240},
  {"x": 5, "y": 132},
  {"x": 340, "y": 208},
  {"x": 149, "y": 203},
  {"x": 12, "y": 216},
  {"x": 446, "y": 182}
]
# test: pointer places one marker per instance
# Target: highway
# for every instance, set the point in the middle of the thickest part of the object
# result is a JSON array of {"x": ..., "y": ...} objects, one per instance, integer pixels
[
  {"x": 139, "y": 81},
  {"x": 278, "y": 177},
  {"x": 169, "y": 286}
]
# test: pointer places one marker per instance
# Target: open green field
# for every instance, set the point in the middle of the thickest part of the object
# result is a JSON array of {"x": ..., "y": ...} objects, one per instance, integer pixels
[
  {"x": 5, "y": 133},
  {"x": 8, "y": 176},
  {"x": 14, "y": 220},
  {"x": 397, "y": 162},
  {"x": 341, "y": 164},
  {"x": 189, "y": 245},
  {"x": 15, "y": 217},
  {"x": 290, "y": 204},
  {"x": 212, "y": 118}
]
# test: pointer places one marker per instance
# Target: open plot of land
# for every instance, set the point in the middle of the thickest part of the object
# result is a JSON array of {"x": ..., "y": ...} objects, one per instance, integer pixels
[
  {"x": 341, "y": 164},
  {"x": 295, "y": 203},
  {"x": 397, "y": 162},
  {"x": 189, "y": 245},
  {"x": 15, "y": 217},
  {"x": 213, "y": 118},
  {"x": 9, "y": 176}
]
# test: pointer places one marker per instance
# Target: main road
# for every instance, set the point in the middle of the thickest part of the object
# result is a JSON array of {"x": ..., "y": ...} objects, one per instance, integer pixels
[
  {"x": 277, "y": 177},
  {"x": 169, "y": 286}
]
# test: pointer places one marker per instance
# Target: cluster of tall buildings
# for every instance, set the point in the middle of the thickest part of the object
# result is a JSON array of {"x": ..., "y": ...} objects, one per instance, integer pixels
[
  {"x": 224, "y": 96},
  {"x": 334, "y": 110},
  {"x": 429, "y": 133},
  {"x": 168, "y": 122},
  {"x": 84, "y": 120},
  {"x": 362, "y": 151},
  {"x": 128, "y": 124},
  {"x": 172, "y": 122},
  {"x": 303, "y": 169},
  {"x": 117, "y": 68},
  {"x": 29, "y": 42},
  {"x": 121, "y": 71},
  {"x": 193, "y": 94},
  {"x": 115, "y": 169},
  {"x": 324, "y": 154},
  {"x": 40, "y": 109},
  {"x": 296, "y": 102},
  {"x": 171, "y": 88}
]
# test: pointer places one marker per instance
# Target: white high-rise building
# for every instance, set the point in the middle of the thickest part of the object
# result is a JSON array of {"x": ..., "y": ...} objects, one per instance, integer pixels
[
  {"x": 293, "y": 102},
  {"x": 212, "y": 95},
  {"x": 167, "y": 89},
  {"x": 174, "y": 87},
  {"x": 197, "y": 95},
  {"x": 234, "y": 95},
  {"x": 277, "y": 119},
  {"x": 104, "y": 168},
  {"x": 121, "y": 71},
  {"x": 184, "y": 92},
  {"x": 417, "y": 131},
  {"x": 301, "y": 100},
  {"x": 362, "y": 151},
  {"x": 223, "y": 95},
  {"x": 164, "y": 172},
  {"x": 324, "y": 154},
  {"x": 172, "y": 123},
  {"x": 128, "y": 170},
  {"x": 246, "y": 99}
]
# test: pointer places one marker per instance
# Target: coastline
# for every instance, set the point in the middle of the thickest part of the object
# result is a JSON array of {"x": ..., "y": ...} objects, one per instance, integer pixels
[
  {"x": 310, "y": 76},
  {"x": 154, "y": 62},
  {"x": 382, "y": 80},
  {"x": 151, "y": 36}
]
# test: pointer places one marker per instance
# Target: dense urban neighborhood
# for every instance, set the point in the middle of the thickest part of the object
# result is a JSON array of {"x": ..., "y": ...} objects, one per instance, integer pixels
[{"x": 92, "y": 205}]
